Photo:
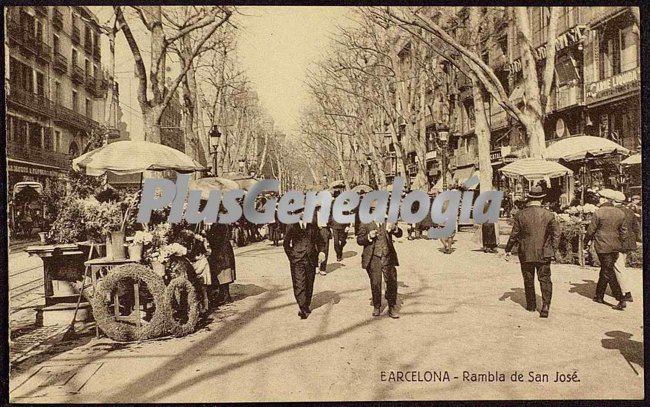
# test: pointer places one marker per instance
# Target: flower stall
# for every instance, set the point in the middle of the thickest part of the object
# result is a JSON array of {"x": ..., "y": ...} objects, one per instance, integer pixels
[{"x": 141, "y": 280}]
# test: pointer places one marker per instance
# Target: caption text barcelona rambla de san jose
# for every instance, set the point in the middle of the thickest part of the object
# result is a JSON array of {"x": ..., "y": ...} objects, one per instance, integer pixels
[{"x": 446, "y": 209}]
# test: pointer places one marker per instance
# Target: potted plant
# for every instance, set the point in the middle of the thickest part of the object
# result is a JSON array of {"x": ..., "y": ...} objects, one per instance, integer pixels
[{"x": 136, "y": 247}]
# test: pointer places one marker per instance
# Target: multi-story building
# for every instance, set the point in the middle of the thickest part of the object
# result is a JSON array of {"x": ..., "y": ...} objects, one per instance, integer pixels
[{"x": 55, "y": 89}]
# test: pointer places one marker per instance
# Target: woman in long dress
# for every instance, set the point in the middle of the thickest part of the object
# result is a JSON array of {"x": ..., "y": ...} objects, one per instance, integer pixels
[{"x": 221, "y": 261}]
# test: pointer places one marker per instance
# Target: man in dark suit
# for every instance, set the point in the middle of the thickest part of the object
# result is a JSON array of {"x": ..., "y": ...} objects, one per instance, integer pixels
[
  {"x": 304, "y": 247},
  {"x": 628, "y": 245},
  {"x": 536, "y": 232},
  {"x": 607, "y": 230},
  {"x": 339, "y": 235},
  {"x": 379, "y": 257},
  {"x": 326, "y": 236}
]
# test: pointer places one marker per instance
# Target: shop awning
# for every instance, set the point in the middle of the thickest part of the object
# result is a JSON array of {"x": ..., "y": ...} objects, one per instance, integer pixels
[
  {"x": 634, "y": 159},
  {"x": 535, "y": 169},
  {"x": 581, "y": 147},
  {"x": 463, "y": 174}
]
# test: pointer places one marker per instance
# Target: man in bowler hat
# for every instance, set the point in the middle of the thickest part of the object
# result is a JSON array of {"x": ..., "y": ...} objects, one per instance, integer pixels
[
  {"x": 535, "y": 230},
  {"x": 380, "y": 258},
  {"x": 305, "y": 247}
]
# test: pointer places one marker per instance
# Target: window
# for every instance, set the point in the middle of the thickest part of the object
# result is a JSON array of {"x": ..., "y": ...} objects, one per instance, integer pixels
[
  {"x": 35, "y": 138},
  {"x": 629, "y": 48},
  {"x": 57, "y": 141},
  {"x": 89, "y": 108},
  {"x": 39, "y": 31},
  {"x": 20, "y": 131},
  {"x": 40, "y": 84},
  {"x": 48, "y": 142},
  {"x": 27, "y": 78},
  {"x": 88, "y": 68},
  {"x": 74, "y": 57},
  {"x": 75, "y": 101},
  {"x": 9, "y": 127},
  {"x": 55, "y": 44},
  {"x": 566, "y": 71},
  {"x": 57, "y": 92}
]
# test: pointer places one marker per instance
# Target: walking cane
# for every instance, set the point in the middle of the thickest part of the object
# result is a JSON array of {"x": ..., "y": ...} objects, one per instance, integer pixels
[{"x": 69, "y": 334}]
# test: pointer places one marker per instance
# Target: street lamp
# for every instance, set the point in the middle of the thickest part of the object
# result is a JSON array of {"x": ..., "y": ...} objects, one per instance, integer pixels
[{"x": 215, "y": 135}]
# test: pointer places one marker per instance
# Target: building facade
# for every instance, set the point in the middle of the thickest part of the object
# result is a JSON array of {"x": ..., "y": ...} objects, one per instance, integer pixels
[{"x": 55, "y": 89}]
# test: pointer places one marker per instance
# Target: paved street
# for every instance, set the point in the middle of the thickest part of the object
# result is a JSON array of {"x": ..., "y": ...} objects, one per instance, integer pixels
[{"x": 462, "y": 312}]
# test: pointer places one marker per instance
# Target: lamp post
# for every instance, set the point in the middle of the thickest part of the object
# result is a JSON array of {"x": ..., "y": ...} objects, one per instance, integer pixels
[
  {"x": 215, "y": 135},
  {"x": 443, "y": 135},
  {"x": 369, "y": 162}
]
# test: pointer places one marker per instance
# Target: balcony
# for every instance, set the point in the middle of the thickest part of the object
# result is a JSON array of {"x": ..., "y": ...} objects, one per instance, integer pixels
[
  {"x": 73, "y": 119},
  {"x": 37, "y": 155},
  {"x": 60, "y": 63},
  {"x": 76, "y": 35},
  {"x": 57, "y": 19},
  {"x": 567, "y": 96},
  {"x": 44, "y": 55},
  {"x": 30, "y": 101},
  {"x": 78, "y": 75}
]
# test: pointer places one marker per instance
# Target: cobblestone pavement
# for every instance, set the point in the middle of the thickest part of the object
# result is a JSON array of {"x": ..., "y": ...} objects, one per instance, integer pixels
[{"x": 463, "y": 328}]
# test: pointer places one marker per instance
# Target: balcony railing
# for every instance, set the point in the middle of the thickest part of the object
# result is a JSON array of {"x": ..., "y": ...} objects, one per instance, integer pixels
[
  {"x": 30, "y": 101},
  {"x": 37, "y": 155},
  {"x": 57, "y": 19},
  {"x": 44, "y": 53},
  {"x": 74, "y": 119},
  {"x": 60, "y": 63},
  {"x": 78, "y": 75},
  {"x": 76, "y": 35}
]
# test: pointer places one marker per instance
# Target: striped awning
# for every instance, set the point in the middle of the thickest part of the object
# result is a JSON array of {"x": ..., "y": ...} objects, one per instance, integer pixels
[{"x": 535, "y": 169}]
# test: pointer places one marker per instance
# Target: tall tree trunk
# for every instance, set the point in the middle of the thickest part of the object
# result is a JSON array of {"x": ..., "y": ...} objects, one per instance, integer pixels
[{"x": 481, "y": 125}]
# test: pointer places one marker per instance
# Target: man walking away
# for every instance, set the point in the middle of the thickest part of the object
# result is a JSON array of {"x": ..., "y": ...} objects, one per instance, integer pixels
[
  {"x": 627, "y": 246},
  {"x": 380, "y": 258},
  {"x": 607, "y": 231},
  {"x": 305, "y": 250},
  {"x": 536, "y": 232}
]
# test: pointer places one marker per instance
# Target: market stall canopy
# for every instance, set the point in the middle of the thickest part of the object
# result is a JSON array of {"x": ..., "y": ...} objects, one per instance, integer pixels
[
  {"x": 581, "y": 147},
  {"x": 535, "y": 169},
  {"x": 20, "y": 186},
  {"x": 244, "y": 181},
  {"x": 132, "y": 157},
  {"x": 463, "y": 174},
  {"x": 634, "y": 159},
  {"x": 205, "y": 185}
]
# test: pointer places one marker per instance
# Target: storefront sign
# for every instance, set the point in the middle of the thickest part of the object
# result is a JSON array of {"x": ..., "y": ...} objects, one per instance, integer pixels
[
  {"x": 614, "y": 86},
  {"x": 569, "y": 38},
  {"x": 23, "y": 169}
]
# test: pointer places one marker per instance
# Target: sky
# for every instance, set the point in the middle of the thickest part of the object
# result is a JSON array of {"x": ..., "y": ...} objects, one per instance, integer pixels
[{"x": 277, "y": 46}]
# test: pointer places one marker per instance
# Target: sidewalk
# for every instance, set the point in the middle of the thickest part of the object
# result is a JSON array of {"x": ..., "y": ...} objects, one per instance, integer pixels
[{"x": 462, "y": 314}]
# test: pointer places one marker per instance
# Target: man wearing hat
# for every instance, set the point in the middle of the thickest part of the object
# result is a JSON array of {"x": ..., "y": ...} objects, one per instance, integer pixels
[
  {"x": 339, "y": 233},
  {"x": 607, "y": 230},
  {"x": 536, "y": 233},
  {"x": 628, "y": 245},
  {"x": 304, "y": 246},
  {"x": 380, "y": 258}
]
